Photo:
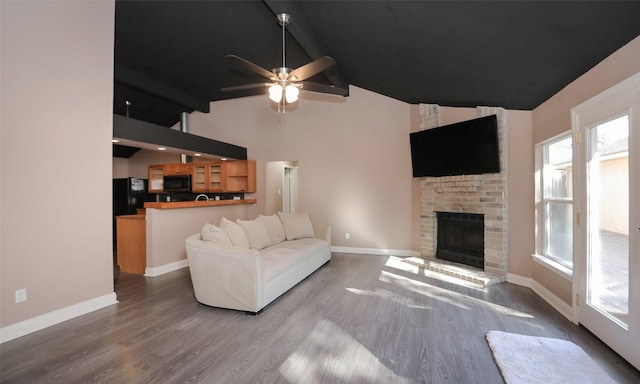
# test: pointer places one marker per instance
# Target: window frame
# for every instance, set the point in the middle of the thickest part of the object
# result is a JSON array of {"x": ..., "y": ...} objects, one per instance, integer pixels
[{"x": 542, "y": 200}]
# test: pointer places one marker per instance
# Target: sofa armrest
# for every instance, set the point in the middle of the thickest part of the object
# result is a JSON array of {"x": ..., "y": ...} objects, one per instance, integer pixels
[
  {"x": 227, "y": 277},
  {"x": 322, "y": 231}
]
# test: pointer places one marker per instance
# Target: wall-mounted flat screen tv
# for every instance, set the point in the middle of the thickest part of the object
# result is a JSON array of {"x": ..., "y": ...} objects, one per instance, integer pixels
[{"x": 466, "y": 148}]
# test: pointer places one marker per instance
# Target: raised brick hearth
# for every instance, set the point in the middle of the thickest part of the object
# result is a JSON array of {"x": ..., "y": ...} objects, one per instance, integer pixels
[{"x": 482, "y": 194}]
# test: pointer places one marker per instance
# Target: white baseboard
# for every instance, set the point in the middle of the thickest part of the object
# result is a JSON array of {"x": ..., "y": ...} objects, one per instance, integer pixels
[
  {"x": 376, "y": 251},
  {"x": 556, "y": 302},
  {"x": 37, "y": 323},
  {"x": 161, "y": 270},
  {"x": 519, "y": 280},
  {"x": 548, "y": 296}
]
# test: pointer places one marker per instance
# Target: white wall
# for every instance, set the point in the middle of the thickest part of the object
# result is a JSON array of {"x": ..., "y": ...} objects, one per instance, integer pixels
[
  {"x": 138, "y": 164},
  {"x": 167, "y": 230},
  {"x": 521, "y": 193},
  {"x": 56, "y": 127},
  {"x": 353, "y": 156},
  {"x": 120, "y": 168}
]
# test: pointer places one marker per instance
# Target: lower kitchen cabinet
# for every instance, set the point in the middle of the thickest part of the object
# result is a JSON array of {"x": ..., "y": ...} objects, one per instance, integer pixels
[{"x": 131, "y": 231}]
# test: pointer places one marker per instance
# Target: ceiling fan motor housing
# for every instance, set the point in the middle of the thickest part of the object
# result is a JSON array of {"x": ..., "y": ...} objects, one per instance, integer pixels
[
  {"x": 282, "y": 73},
  {"x": 284, "y": 19}
]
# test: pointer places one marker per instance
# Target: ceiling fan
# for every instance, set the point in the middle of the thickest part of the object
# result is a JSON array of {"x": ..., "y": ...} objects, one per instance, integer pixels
[{"x": 286, "y": 83}]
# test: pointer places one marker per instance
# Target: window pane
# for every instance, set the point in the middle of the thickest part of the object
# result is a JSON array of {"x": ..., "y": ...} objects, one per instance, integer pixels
[
  {"x": 613, "y": 137},
  {"x": 558, "y": 170},
  {"x": 608, "y": 177},
  {"x": 559, "y": 232}
]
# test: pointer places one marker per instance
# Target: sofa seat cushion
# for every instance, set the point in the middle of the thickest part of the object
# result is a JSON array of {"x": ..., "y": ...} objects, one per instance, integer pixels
[{"x": 278, "y": 259}]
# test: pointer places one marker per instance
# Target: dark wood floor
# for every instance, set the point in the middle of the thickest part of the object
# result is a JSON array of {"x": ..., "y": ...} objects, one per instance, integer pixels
[{"x": 359, "y": 319}]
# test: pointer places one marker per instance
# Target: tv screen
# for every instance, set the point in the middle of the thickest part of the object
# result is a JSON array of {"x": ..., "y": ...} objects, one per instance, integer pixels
[{"x": 465, "y": 148}]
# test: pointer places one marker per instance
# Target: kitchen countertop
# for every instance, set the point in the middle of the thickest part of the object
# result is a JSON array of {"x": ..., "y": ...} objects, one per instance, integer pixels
[
  {"x": 195, "y": 204},
  {"x": 139, "y": 216}
]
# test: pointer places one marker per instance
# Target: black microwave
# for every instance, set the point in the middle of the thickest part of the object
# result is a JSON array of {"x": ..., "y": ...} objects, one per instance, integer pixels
[{"x": 177, "y": 183}]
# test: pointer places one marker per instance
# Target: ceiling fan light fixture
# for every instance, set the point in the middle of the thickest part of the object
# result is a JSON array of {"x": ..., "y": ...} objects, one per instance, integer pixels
[
  {"x": 275, "y": 93},
  {"x": 291, "y": 93},
  {"x": 286, "y": 82}
]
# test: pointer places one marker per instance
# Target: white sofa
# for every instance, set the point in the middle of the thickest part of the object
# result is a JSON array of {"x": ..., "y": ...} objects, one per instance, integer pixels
[{"x": 248, "y": 264}]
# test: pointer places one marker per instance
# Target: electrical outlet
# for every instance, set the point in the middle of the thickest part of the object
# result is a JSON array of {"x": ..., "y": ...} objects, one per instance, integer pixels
[
  {"x": 21, "y": 295},
  {"x": 347, "y": 235}
]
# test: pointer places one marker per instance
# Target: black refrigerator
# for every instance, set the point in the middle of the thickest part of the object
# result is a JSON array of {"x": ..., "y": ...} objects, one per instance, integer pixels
[{"x": 129, "y": 194}]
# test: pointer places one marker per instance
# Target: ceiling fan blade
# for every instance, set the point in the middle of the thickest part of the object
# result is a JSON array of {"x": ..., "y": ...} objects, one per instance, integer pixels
[
  {"x": 251, "y": 66},
  {"x": 246, "y": 86},
  {"x": 314, "y": 67},
  {"x": 324, "y": 88}
]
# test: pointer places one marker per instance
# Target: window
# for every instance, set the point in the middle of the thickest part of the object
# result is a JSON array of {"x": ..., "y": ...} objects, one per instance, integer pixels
[{"x": 554, "y": 236}]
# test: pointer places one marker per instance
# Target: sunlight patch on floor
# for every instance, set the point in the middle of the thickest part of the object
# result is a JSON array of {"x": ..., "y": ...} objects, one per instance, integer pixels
[
  {"x": 329, "y": 354},
  {"x": 446, "y": 295},
  {"x": 455, "y": 270},
  {"x": 408, "y": 265},
  {"x": 384, "y": 294}
]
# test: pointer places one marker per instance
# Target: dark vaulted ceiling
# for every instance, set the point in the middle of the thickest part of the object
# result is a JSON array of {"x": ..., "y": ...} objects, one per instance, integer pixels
[{"x": 170, "y": 55}]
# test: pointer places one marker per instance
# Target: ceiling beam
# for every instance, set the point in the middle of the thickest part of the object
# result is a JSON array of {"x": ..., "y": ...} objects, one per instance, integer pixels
[
  {"x": 307, "y": 39},
  {"x": 147, "y": 84}
]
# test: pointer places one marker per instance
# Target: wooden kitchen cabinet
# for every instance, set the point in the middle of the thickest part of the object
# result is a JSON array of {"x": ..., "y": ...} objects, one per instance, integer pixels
[
  {"x": 239, "y": 176},
  {"x": 207, "y": 177},
  {"x": 158, "y": 172},
  {"x": 177, "y": 169},
  {"x": 231, "y": 176},
  {"x": 131, "y": 248},
  {"x": 156, "y": 178}
]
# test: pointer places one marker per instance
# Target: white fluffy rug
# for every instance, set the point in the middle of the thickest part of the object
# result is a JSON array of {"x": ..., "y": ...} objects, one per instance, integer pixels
[{"x": 529, "y": 359}]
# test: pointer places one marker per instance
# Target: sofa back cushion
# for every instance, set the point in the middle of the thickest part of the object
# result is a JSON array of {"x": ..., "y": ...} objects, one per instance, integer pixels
[
  {"x": 256, "y": 233},
  {"x": 215, "y": 234},
  {"x": 296, "y": 225},
  {"x": 274, "y": 228},
  {"x": 235, "y": 232}
]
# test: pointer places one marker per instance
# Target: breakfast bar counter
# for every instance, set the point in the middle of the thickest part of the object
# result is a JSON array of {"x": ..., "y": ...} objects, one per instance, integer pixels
[{"x": 195, "y": 204}]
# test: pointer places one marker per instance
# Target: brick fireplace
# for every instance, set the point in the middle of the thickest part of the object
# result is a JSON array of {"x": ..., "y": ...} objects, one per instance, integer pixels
[{"x": 474, "y": 194}]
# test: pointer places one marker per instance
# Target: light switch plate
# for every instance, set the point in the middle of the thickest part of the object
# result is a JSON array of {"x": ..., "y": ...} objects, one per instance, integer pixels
[{"x": 21, "y": 295}]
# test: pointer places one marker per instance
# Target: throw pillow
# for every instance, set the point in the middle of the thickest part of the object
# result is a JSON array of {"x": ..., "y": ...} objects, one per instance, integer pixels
[
  {"x": 256, "y": 233},
  {"x": 297, "y": 225},
  {"x": 235, "y": 232},
  {"x": 215, "y": 234},
  {"x": 274, "y": 228}
]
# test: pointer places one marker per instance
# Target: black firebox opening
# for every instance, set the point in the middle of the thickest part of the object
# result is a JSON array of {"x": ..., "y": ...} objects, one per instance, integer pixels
[{"x": 461, "y": 238}]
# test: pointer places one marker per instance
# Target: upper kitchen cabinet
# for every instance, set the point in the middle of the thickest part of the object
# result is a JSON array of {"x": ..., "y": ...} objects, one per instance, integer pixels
[
  {"x": 158, "y": 172},
  {"x": 156, "y": 178},
  {"x": 231, "y": 176},
  {"x": 239, "y": 176},
  {"x": 177, "y": 169},
  {"x": 207, "y": 177}
]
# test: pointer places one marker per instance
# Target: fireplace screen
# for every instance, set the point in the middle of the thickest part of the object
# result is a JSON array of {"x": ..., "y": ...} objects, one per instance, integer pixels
[{"x": 461, "y": 238}]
